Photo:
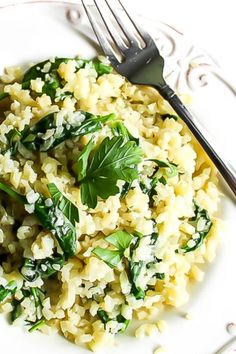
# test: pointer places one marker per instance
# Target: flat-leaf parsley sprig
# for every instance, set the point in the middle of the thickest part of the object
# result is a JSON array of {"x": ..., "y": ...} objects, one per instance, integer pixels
[{"x": 115, "y": 159}]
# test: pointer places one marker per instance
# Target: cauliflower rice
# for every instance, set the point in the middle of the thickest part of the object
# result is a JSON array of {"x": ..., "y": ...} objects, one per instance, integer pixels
[{"x": 85, "y": 296}]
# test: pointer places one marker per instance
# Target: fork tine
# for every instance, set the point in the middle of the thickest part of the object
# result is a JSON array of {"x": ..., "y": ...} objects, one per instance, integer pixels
[
  {"x": 105, "y": 45},
  {"x": 144, "y": 34},
  {"x": 125, "y": 24},
  {"x": 111, "y": 29}
]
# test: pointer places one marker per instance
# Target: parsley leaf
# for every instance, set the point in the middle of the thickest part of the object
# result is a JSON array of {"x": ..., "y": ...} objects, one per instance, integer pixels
[
  {"x": 121, "y": 240},
  {"x": 81, "y": 164},
  {"x": 118, "y": 129},
  {"x": 113, "y": 160},
  {"x": 110, "y": 257}
]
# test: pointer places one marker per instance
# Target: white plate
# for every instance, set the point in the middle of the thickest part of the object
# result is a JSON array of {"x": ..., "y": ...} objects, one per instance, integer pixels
[{"x": 37, "y": 31}]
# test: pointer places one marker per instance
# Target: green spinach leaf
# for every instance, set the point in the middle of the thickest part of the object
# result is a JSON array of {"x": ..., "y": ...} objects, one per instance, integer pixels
[
  {"x": 3, "y": 95},
  {"x": 35, "y": 138},
  {"x": 53, "y": 219},
  {"x": 44, "y": 268},
  {"x": 48, "y": 71},
  {"x": 69, "y": 210},
  {"x": 202, "y": 223},
  {"x": 7, "y": 290}
]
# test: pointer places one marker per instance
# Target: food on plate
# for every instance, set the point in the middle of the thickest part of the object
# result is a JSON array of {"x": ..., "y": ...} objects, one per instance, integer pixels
[{"x": 107, "y": 203}]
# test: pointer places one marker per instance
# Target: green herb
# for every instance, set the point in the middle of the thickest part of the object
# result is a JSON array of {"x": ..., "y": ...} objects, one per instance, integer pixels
[
  {"x": 54, "y": 217},
  {"x": 101, "y": 68},
  {"x": 18, "y": 197},
  {"x": 69, "y": 210},
  {"x": 121, "y": 240},
  {"x": 16, "y": 310},
  {"x": 160, "y": 276},
  {"x": 37, "y": 325},
  {"x": 119, "y": 129},
  {"x": 146, "y": 268},
  {"x": 45, "y": 268},
  {"x": 3, "y": 95},
  {"x": 150, "y": 191},
  {"x": 170, "y": 168},
  {"x": 13, "y": 137},
  {"x": 8, "y": 290},
  {"x": 113, "y": 160},
  {"x": 81, "y": 164},
  {"x": 47, "y": 71},
  {"x": 202, "y": 223},
  {"x": 134, "y": 271},
  {"x": 110, "y": 257},
  {"x": 125, "y": 189},
  {"x": 103, "y": 316},
  {"x": 120, "y": 319},
  {"x": 154, "y": 238},
  {"x": 32, "y": 137},
  {"x": 167, "y": 115},
  {"x": 37, "y": 295}
]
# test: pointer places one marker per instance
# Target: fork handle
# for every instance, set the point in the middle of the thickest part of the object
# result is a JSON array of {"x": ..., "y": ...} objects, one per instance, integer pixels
[{"x": 225, "y": 170}]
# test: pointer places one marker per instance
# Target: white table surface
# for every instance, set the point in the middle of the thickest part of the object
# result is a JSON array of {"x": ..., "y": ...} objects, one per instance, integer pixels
[{"x": 210, "y": 24}]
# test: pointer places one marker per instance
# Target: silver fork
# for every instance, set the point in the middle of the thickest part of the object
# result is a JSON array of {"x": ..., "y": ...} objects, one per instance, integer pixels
[{"x": 143, "y": 65}]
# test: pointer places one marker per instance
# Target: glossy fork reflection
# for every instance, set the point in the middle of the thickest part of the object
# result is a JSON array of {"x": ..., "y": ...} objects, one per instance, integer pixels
[{"x": 134, "y": 54}]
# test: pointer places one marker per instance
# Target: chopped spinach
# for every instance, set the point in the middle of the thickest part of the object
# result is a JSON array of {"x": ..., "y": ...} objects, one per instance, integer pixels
[
  {"x": 44, "y": 268},
  {"x": 54, "y": 217},
  {"x": 202, "y": 223},
  {"x": 69, "y": 210},
  {"x": 122, "y": 319},
  {"x": 16, "y": 310},
  {"x": 168, "y": 115},
  {"x": 125, "y": 189},
  {"x": 146, "y": 268},
  {"x": 8, "y": 290},
  {"x": 163, "y": 167},
  {"x": 35, "y": 138},
  {"x": 103, "y": 316},
  {"x": 48, "y": 71},
  {"x": 37, "y": 325},
  {"x": 170, "y": 168},
  {"x": 3, "y": 95}
]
